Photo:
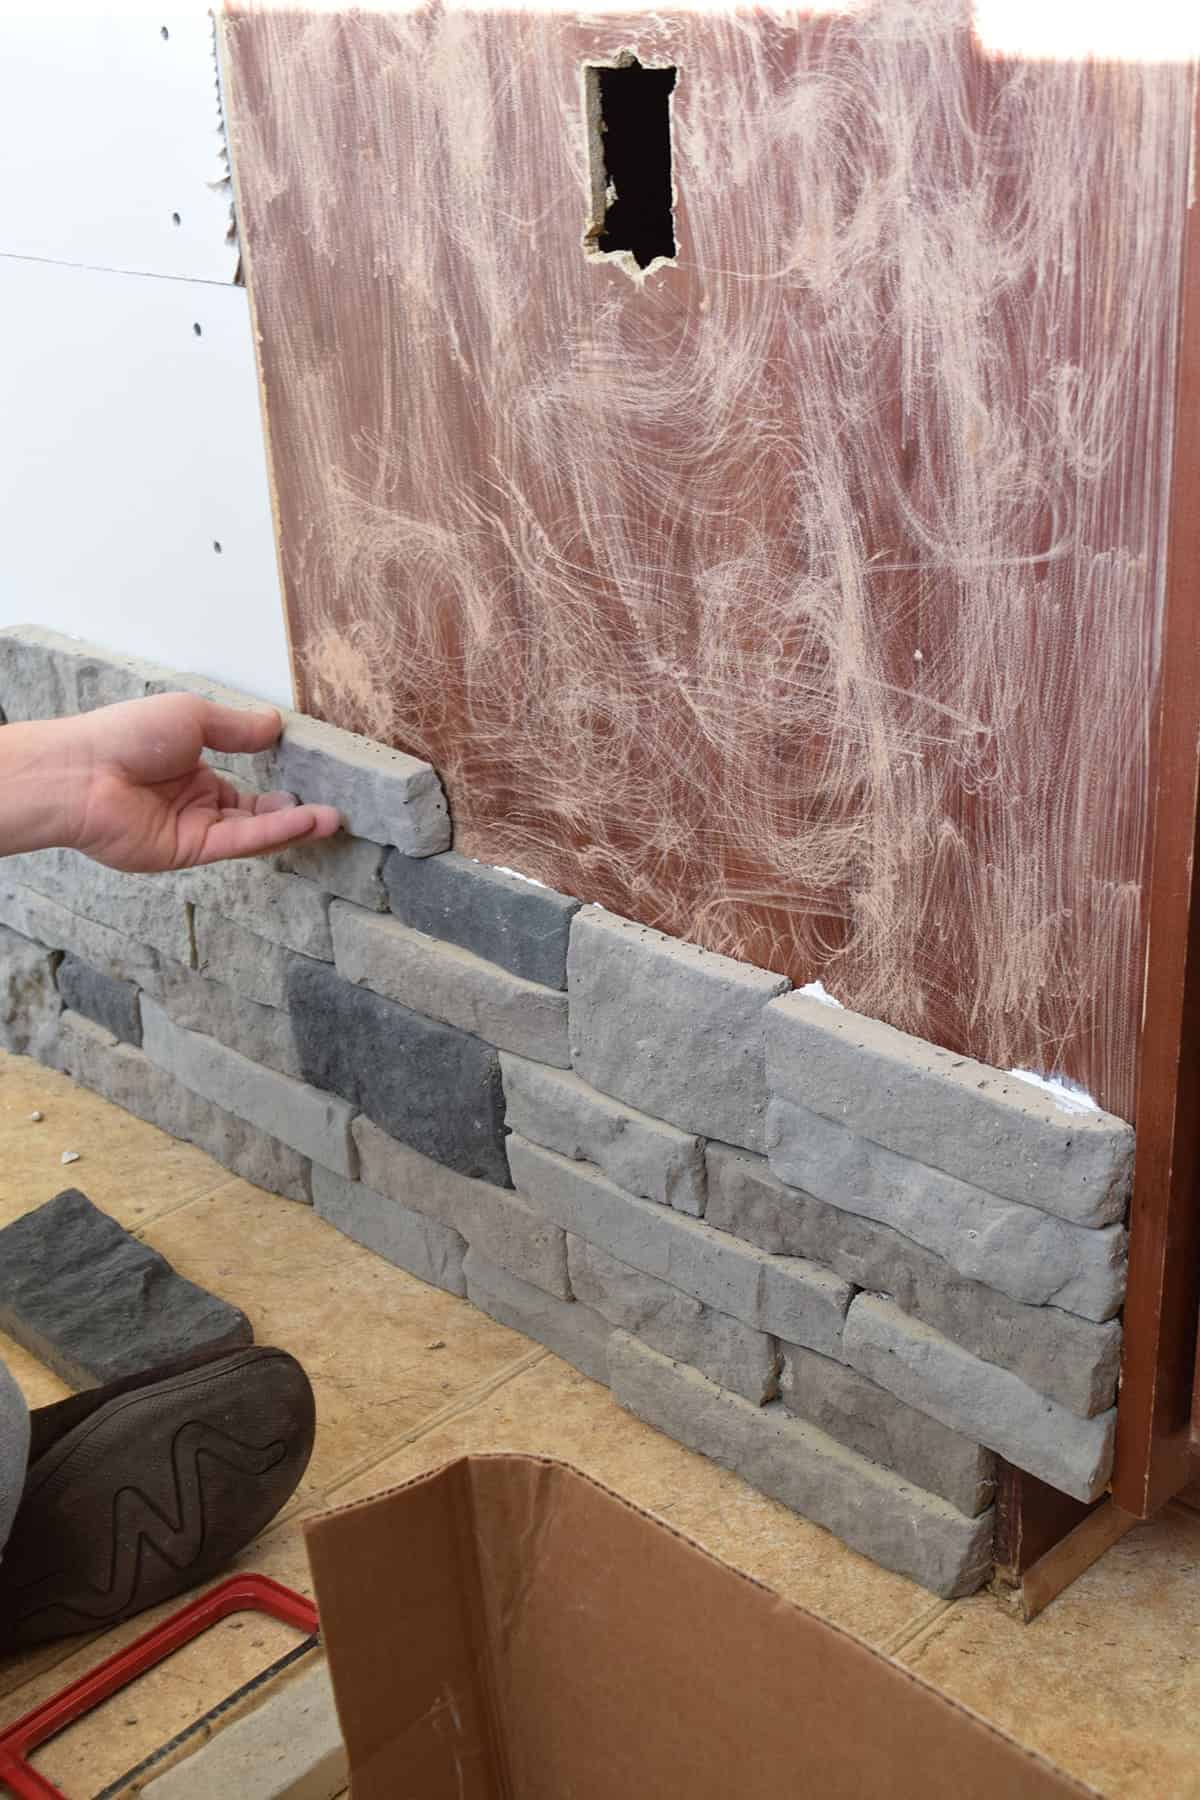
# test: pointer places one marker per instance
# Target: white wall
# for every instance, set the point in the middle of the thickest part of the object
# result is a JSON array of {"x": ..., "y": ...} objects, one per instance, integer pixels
[{"x": 130, "y": 437}]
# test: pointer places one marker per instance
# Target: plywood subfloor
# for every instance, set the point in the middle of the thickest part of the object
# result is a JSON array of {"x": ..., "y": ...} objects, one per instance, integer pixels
[{"x": 1106, "y": 1682}]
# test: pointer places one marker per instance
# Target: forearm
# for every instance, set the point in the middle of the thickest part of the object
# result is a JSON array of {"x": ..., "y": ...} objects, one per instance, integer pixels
[{"x": 43, "y": 777}]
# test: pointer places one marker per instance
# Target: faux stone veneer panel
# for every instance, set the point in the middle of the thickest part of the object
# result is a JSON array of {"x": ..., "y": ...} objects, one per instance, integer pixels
[
  {"x": 428, "y": 1084},
  {"x": 668, "y": 1027},
  {"x": 872, "y": 1509},
  {"x": 94, "y": 1303},
  {"x": 1069, "y": 1359},
  {"x": 560, "y": 1112},
  {"x": 518, "y": 924},
  {"x": 128, "y": 1078},
  {"x": 940, "y": 1378},
  {"x": 987, "y": 1128},
  {"x": 781, "y": 1295},
  {"x": 450, "y": 984},
  {"x": 1027, "y": 1254}
]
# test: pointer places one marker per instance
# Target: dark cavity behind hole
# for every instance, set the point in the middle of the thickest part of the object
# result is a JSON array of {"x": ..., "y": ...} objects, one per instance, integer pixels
[{"x": 635, "y": 142}]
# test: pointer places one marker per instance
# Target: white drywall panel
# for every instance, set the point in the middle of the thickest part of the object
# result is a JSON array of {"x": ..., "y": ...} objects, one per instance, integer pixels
[
  {"x": 112, "y": 153},
  {"x": 130, "y": 445}
]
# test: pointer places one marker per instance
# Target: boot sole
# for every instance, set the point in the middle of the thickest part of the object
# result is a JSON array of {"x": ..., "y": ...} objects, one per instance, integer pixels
[{"x": 153, "y": 1494}]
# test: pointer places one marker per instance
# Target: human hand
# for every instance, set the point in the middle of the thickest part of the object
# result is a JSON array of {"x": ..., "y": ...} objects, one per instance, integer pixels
[{"x": 135, "y": 795}]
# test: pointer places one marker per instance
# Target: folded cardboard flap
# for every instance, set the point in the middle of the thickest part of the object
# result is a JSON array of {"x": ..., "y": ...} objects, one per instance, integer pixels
[{"x": 507, "y": 1629}]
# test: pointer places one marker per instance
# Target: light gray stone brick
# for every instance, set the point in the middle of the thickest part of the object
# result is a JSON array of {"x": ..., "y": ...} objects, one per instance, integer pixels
[
  {"x": 226, "y": 951},
  {"x": 669, "y": 1028},
  {"x": 446, "y": 983},
  {"x": 493, "y": 1220},
  {"x": 572, "y": 1330},
  {"x": 152, "y": 909},
  {"x": 732, "y": 1354},
  {"x": 555, "y": 1109},
  {"x": 29, "y": 1000},
  {"x": 49, "y": 923},
  {"x": 784, "y": 1296},
  {"x": 382, "y": 794},
  {"x": 496, "y": 915},
  {"x": 865, "y": 1417},
  {"x": 938, "y": 1377},
  {"x": 873, "y": 1510},
  {"x": 289, "y": 1748},
  {"x": 126, "y": 1077},
  {"x": 1069, "y": 1359},
  {"x": 315, "y": 1124},
  {"x": 351, "y": 868},
  {"x": 412, "y": 1240},
  {"x": 283, "y": 909},
  {"x": 44, "y": 675},
  {"x": 977, "y": 1123},
  {"x": 263, "y": 1033},
  {"x": 1026, "y": 1253}
]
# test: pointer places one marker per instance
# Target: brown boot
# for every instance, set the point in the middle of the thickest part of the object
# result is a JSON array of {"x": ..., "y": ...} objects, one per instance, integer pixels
[{"x": 147, "y": 1487}]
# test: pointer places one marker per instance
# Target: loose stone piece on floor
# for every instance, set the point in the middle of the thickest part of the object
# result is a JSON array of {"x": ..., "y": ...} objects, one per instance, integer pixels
[{"x": 92, "y": 1303}]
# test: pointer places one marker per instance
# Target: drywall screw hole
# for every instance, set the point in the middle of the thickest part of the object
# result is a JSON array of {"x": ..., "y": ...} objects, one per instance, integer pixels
[
  {"x": 198, "y": 329},
  {"x": 164, "y": 34},
  {"x": 175, "y": 219},
  {"x": 217, "y": 546}
]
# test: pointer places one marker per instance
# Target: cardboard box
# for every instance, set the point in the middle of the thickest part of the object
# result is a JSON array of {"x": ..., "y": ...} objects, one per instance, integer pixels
[{"x": 506, "y": 1629}]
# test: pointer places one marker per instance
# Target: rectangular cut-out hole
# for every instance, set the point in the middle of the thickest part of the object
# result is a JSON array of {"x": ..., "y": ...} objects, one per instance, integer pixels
[{"x": 629, "y": 119}]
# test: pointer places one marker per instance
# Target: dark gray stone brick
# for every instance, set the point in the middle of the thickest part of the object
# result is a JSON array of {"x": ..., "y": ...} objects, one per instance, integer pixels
[
  {"x": 428, "y": 1084},
  {"x": 101, "y": 998},
  {"x": 523, "y": 927},
  {"x": 94, "y": 1304}
]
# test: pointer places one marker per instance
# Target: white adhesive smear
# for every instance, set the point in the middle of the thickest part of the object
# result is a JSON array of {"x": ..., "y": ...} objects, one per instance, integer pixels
[
  {"x": 816, "y": 990},
  {"x": 516, "y": 873},
  {"x": 1065, "y": 1094}
]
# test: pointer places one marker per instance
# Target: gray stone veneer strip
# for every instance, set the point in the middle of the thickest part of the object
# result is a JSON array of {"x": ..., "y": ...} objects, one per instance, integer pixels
[
  {"x": 351, "y": 868},
  {"x": 668, "y": 1027},
  {"x": 519, "y": 924},
  {"x": 124, "y": 1075},
  {"x": 45, "y": 921},
  {"x": 30, "y": 1003},
  {"x": 906, "y": 1529},
  {"x": 785, "y": 1296},
  {"x": 971, "y": 1121},
  {"x": 428, "y": 1084},
  {"x": 927, "y": 1371},
  {"x": 733, "y": 1355},
  {"x": 493, "y": 1220},
  {"x": 1024, "y": 1252},
  {"x": 283, "y": 909},
  {"x": 1069, "y": 1359},
  {"x": 382, "y": 794},
  {"x": 107, "y": 1002},
  {"x": 572, "y": 1330},
  {"x": 411, "y": 1240},
  {"x": 557, "y": 1110},
  {"x": 44, "y": 675},
  {"x": 866, "y": 1418},
  {"x": 151, "y": 909},
  {"x": 316, "y": 1124},
  {"x": 263, "y": 1033},
  {"x": 449, "y": 984},
  {"x": 241, "y": 959}
]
